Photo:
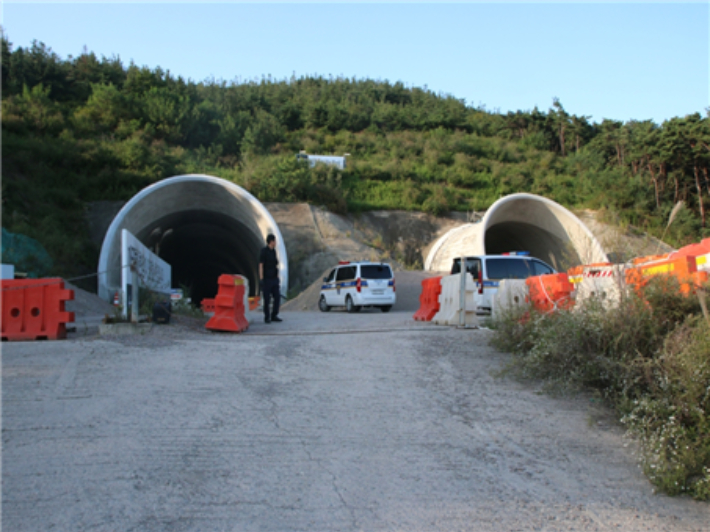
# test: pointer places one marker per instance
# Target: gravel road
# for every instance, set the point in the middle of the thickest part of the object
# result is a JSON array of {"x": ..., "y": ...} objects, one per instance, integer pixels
[{"x": 325, "y": 422}]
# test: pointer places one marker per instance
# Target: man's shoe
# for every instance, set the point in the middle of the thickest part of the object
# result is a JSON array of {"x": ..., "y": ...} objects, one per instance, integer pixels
[
  {"x": 267, "y": 320},
  {"x": 276, "y": 319}
]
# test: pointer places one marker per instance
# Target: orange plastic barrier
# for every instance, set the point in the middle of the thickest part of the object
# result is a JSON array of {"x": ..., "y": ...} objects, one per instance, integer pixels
[
  {"x": 698, "y": 279},
  {"x": 550, "y": 292},
  {"x": 229, "y": 305},
  {"x": 254, "y": 302},
  {"x": 33, "y": 309},
  {"x": 683, "y": 268},
  {"x": 429, "y": 299},
  {"x": 207, "y": 305},
  {"x": 700, "y": 252},
  {"x": 576, "y": 274},
  {"x": 694, "y": 250},
  {"x": 649, "y": 258}
]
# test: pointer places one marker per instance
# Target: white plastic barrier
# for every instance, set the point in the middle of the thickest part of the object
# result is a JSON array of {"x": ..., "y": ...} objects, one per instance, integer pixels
[
  {"x": 511, "y": 293},
  {"x": 246, "y": 297},
  {"x": 605, "y": 283},
  {"x": 450, "y": 301}
]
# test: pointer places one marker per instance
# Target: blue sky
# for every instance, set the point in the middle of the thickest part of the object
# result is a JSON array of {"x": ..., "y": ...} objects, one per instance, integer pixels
[{"x": 637, "y": 61}]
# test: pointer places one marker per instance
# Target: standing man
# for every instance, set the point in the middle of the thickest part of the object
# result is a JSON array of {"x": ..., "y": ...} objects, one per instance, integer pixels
[{"x": 269, "y": 279}]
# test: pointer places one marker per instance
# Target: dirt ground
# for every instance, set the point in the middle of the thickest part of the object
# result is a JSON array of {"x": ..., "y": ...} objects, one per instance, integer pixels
[{"x": 325, "y": 422}]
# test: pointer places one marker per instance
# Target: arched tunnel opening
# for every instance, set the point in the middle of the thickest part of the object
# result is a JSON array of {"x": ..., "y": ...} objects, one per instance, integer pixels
[
  {"x": 517, "y": 236},
  {"x": 201, "y": 245},
  {"x": 203, "y": 226},
  {"x": 521, "y": 222}
]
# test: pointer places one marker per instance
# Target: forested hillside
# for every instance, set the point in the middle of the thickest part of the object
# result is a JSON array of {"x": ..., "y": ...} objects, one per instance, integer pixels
[{"x": 82, "y": 129}]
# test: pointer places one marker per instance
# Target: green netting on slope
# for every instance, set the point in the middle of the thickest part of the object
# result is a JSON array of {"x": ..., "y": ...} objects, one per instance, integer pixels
[{"x": 26, "y": 254}]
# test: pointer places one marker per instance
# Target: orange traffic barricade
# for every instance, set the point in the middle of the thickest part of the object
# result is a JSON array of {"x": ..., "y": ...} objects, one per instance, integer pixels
[
  {"x": 429, "y": 299},
  {"x": 694, "y": 250},
  {"x": 550, "y": 292},
  {"x": 700, "y": 252},
  {"x": 207, "y": 305},
  {"x": 34, "y": 309},
  {"x": 576, "y": 274},
  {"x": 683, "y": 268},
  {"x": 229, "y": 305},
  {"x": 254, "y": 302}
]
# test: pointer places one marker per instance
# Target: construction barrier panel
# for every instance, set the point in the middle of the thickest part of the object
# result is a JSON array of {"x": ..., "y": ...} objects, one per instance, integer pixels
[
  {"x": 450, "y": 301},
  {"x": 34, "y": 309},
  {"x": 649, "y": 258},
  {"x": 429, "y": 299},
  {"x": 604, "y": 282},
  {"x": 683, "y": 268},
  {"x": 512, "y": 293},
  {"x": 700, "y": 252},
  {"x": 550, "y": 292},
  {"x": 229, "y": 305}
]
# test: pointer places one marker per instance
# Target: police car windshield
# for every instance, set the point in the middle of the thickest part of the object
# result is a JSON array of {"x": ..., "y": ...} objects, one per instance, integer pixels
[{"x": 376, "y": 271}]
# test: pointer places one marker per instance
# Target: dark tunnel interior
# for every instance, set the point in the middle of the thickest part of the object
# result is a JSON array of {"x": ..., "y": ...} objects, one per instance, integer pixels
[
  {"x": 517, "y": 236},
  {"x": 200, "y": 246}
]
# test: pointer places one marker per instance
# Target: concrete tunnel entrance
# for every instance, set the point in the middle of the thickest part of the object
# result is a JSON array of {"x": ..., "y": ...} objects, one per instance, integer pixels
[
  {"x": 202, "y": 226},
  {"x": 521, "y": 222}
]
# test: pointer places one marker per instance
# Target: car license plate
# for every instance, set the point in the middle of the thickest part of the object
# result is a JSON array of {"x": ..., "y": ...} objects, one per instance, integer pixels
[{"x": 378, "y": 292}]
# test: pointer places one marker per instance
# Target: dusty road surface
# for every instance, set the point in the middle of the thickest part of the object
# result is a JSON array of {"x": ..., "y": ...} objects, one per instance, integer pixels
[{"x": 326, "y": 422}]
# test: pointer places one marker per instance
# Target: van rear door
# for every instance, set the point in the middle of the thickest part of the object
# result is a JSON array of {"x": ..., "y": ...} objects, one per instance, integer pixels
[{"x": 378, "y": 277}]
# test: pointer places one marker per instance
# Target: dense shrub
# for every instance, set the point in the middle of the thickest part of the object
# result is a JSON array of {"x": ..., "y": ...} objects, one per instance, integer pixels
[{"x": 649, "y": 357}]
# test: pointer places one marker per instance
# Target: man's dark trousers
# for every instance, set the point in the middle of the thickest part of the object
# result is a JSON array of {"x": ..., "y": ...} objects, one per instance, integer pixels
[{"x": 272, "y": 288}]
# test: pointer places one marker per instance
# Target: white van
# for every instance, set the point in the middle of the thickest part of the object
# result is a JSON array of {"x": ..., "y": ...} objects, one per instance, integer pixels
[
  {"x": 354, "y": 285},
  {"x": 488, "y": 270}
]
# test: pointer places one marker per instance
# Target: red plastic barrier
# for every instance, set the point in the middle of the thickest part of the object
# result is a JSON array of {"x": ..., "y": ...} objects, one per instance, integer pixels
[
  {"x": 429, "y": 299},
  {"x": 550, "y": 292},
  {"x": 33, "y": 309},
  {"x": 207, "y": 305},
  {"x": 229, "y": 305}
]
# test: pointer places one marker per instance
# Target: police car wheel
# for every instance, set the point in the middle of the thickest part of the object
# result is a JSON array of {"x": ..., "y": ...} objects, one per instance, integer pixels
[
  {"x": 386, "y": 308},
  {"x": 322, "y": 305},
  {"x": 350, "y": 306}
]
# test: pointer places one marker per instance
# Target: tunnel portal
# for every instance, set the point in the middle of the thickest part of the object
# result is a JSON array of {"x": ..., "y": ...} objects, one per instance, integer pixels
[
  {"x": 202, "y": 226},
  {"x": 521, "y": 222}
]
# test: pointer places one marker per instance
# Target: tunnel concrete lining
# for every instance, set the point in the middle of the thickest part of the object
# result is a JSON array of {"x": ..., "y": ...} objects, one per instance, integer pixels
[
  {"x": 521, "y": 222},
  {"x": 203, "y": 226}
]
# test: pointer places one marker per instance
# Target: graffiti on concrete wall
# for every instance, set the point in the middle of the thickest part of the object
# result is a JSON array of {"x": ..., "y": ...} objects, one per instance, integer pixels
[
  {"x": 150, "y": 272},
  {"x": 153, "y": 272}
]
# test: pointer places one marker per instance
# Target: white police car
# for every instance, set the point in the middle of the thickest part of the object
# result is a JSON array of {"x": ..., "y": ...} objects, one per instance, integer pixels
[
  {"x": 488, "y": 270},
  {"x": 358, "y": 284}
]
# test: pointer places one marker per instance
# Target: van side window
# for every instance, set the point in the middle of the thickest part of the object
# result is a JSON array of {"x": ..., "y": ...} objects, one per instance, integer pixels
[
  {"x": 541, "y": 268},
  {"x": 331, "y": 276},
  {"x": 345, "y": 273},
  {"x": 523, "y": 270},
  {"x": 497, "y": 268},
  {"x": 473, "y": 266},
  {"x": 509, "y": 269}
]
